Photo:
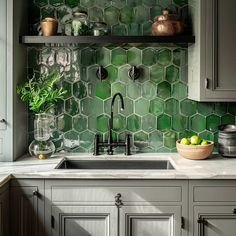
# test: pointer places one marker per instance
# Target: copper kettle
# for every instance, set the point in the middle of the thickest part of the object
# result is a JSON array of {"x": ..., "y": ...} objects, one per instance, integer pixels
[{"x": 167, "y": 25}]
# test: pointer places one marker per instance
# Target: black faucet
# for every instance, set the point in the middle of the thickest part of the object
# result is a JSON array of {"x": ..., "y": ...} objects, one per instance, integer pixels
[
  {"x": 110, "y": 124},
  {"x": 110, "y": 144}
]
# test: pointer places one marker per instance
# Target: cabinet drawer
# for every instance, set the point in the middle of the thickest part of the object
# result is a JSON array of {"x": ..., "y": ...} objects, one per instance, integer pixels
[
  {"x": 214, "y": 193},
  {"x": 107, "y": 194}
]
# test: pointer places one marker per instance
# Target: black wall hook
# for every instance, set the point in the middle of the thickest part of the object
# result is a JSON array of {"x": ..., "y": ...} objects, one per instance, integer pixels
[
  {"x": 101, "y": 73},
  {"x": 134, "y": 73}
]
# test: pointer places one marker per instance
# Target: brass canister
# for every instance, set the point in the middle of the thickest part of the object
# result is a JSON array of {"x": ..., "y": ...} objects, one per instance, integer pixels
[{"x": 49, "y": 26}]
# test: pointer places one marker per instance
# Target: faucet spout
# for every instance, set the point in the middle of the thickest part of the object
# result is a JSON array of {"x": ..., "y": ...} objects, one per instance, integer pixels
[
  {"x": 110, "y": 124},
  {"x": 112, "y": 107}
]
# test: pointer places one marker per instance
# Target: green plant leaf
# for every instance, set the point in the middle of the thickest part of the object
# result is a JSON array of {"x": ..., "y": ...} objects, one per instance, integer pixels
[{"x": 41, "y": 93}]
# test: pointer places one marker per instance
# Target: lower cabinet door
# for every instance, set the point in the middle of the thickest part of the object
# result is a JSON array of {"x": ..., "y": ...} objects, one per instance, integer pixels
[
  {"x": 4, "y": 212},
  {"x": 84, "y": 221},
  {"x": 27, "y": 210},
  {"x": 150, "y": 221},
  {"x": 214, "y": 221}
]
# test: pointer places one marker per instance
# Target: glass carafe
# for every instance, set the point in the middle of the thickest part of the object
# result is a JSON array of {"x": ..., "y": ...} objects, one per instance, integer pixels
[
  {"x": 42, "y": 147},
  {"x": 80, "y": 23}
]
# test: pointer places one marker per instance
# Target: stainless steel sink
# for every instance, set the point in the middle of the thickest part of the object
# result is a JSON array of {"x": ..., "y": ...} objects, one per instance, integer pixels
[{"x": 116, "y": 164}]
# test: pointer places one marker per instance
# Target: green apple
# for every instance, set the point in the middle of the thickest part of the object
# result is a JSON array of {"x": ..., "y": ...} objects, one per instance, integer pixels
[
  {"x": 195, "y": 140},
  {"x": 204, "y": 142},
  {"x": 185, "y": 141}
]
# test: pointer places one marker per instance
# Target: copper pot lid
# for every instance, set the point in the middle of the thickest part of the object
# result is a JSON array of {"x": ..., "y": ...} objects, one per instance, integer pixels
[{"x": 167, "y": 16}]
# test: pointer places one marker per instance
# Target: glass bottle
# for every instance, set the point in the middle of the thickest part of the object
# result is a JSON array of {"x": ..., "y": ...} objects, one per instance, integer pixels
[
  {"x": 80, "y": 23},
  {"x": 42, "y": 147}
]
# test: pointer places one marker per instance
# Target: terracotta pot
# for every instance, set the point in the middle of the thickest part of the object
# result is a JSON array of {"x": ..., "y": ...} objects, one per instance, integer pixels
[
  {"x": 195, "y": 152},
  {"x": 167, "y": 25},
  {"x": 49, "y": 26}
]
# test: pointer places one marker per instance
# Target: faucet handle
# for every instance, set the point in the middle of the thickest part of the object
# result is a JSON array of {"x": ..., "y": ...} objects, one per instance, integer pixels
[
  {"x": 128, "y": 145},
  {"x": 96, "y": 145},
  {"x": 101, "y": 73},
  {"x": 134, "y": 73}
]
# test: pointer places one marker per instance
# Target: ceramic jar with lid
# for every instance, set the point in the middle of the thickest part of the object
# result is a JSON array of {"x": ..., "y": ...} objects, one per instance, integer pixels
[
  {"x": 167, "y": 25},
  {"x": 227, "y": 140},
  {"x": 80, "y": 23}
]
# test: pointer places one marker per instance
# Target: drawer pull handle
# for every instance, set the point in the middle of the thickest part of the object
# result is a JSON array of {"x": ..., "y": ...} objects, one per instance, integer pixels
[
  {"x": 234, "y": 210},
  {"x": 201, "y": 222},
  {"x": 206, "y": 83},
  {"x": 118, "y": 201}
]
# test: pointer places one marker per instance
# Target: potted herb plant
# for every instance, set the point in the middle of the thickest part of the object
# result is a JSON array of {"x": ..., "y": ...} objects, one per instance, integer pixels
[{"x": 41, "y": 94}]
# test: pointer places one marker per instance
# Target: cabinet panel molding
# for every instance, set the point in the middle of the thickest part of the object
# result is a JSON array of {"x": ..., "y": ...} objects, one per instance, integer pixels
[
  {"x": 84, "y": 220},
  {"x": 106, "y": 194},
  {"x": 214, "y": 221},
  {"x": 150, "y": 220},
  {"x": 214, "y": 194}
]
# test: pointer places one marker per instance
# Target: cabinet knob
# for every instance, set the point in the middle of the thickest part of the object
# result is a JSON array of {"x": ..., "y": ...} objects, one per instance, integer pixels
[
  {"x": 3, "y": 121},
  {"x": 234, "y": 211},
  {"x": 35, "y": 193},
  {"x": 118, "y": 201}
]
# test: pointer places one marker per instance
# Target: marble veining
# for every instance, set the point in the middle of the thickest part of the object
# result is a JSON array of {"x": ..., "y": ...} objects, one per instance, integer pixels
[{"x": 215, "y": 167}]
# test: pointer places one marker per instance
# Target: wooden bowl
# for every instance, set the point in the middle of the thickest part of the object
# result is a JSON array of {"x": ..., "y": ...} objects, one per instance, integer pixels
[{"x": 195, "y": 152}]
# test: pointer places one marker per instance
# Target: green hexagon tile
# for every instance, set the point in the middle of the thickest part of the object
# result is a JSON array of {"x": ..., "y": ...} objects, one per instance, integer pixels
[{"x": 157, "y": 110}]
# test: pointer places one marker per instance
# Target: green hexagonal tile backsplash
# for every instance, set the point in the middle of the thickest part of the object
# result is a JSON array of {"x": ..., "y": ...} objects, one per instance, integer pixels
[{"x": 157, "y": 110}]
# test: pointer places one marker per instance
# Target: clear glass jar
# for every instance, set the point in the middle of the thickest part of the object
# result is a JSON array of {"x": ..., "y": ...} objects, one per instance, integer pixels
[
  {"x": 99, "y": 29},
  {"x": 80, "y": 24},
  {"x": 42, "y": 147}
]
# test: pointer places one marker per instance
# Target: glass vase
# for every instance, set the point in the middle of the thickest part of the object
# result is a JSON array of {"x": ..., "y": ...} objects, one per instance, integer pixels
[{"x": 42, "y": 147}]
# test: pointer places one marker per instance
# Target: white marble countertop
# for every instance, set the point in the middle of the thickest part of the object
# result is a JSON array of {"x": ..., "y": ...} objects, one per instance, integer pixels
[
  {"x": 215, "y": 167},
  {"x": 4, "y": 179}
]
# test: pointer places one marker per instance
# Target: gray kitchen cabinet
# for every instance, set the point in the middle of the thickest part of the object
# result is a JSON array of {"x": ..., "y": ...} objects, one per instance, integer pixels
[
  {"x": 84, "y": 220},
  {"x": 212, "y": 208},
  {"x": 4, "y": 210},
  {"x": 212, "y": 65},
  {"x": 115, "y": 208},
  {"x": 13, "y": 61},
  {"x": 214, "y": 221},
  {"x": 3, "y": 72},
  {"x": 27, "y": 207},
  {"x": 150, "y": 220}
]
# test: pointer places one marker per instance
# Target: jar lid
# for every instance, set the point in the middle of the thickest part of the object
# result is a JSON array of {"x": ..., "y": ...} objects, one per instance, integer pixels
[
  {"x": 166, "y": 16},
  {"x": 80, "y": 13},
  {"x": 99, "y": 24},
  {"x": 227, "y": 128}
]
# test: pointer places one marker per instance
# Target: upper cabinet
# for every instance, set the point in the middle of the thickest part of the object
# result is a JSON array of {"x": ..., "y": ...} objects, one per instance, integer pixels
[
  {"x": 3, "y": 72},
  {"x": 13, "y": 64},
  {"x": 212, "y": 64},
  {"x": 3, "y": 42}
]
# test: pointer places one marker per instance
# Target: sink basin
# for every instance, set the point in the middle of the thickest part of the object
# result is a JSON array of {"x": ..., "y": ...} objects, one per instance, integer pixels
[{"x": 116, "y": 164}]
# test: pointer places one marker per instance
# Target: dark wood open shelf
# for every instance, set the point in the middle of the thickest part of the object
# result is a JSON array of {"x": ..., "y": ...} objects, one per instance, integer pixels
[{"x": 180, "y": 39}]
